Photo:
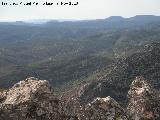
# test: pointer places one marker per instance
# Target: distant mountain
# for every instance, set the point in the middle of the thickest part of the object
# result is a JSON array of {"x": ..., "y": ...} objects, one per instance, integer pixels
[
  {"x": 37, "y": 21},
  {"x": 138, "y": 19},
  {"x": 115, "y": 18},
  {"x": 145, "y": 18},
  {"x": 13, "y": 23}
]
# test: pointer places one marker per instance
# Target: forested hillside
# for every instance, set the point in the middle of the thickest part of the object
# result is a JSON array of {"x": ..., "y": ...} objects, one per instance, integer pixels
[{"x": 70, "y": 53}]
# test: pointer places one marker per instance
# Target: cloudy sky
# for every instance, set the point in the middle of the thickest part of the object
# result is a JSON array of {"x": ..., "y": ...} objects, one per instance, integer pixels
[{"x": 86, "y": 9}]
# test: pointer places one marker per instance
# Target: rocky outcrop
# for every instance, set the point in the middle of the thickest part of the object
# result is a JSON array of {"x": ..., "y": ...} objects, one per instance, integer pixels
[
  {"x": 144, "y": 101},
  {"x": 33, "y": 99},
  {"x": 99, "y": 109},
  {"x": 30, "y": 99},
  {"x": 104, "y": 109}
]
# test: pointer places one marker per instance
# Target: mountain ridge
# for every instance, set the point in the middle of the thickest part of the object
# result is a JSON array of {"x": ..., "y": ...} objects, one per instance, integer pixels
[{"x": 109, "y": 19}]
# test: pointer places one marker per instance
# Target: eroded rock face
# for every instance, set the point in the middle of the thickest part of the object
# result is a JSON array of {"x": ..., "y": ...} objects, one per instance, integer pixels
[
  {"x": 30, "y": 99},
  {"x": 33, "y": 99},
  {"x": 144, "y": 102},
  {"x": 104, "y": 109}
]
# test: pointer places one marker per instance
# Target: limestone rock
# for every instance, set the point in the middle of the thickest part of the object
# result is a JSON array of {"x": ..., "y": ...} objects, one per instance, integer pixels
[
  {"x": 30, "y": 99},
  {"x": 104, "y": 109},
  {"x": 144, "y": 102},
  {"x": 33, "y": 99}
]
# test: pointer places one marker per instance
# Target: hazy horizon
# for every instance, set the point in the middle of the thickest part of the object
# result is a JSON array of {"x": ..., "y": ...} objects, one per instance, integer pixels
[
  {"x": 61, "y": 20},
  {"x": 85, "y": 10}
]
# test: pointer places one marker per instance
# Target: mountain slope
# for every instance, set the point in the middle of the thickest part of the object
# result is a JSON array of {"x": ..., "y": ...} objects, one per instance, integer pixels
[
  {"x": 68, "y": 52},
  {"x": 115, "y": 79}
]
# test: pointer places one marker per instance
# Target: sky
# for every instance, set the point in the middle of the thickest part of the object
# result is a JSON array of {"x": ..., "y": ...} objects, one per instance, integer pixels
[{"x": 86, "y": 9}]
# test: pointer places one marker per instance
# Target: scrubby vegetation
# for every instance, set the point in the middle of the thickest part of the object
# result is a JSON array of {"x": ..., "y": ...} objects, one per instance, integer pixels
[{"x": 69, "y": 54}]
